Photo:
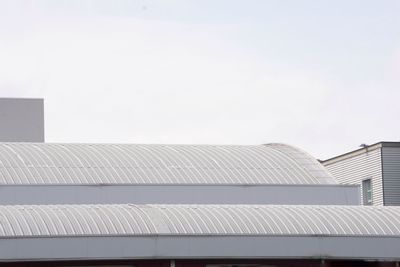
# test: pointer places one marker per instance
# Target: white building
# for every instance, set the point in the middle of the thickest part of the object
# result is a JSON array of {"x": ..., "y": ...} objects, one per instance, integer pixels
[
  {"x": 376, "y": 168},
  {"x": 189, "y": 206}
]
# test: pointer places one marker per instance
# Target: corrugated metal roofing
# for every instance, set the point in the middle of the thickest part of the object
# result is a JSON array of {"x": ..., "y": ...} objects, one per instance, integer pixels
[
  {"x": 128, "y": 220},
  {"x": 45, "y": 163}
]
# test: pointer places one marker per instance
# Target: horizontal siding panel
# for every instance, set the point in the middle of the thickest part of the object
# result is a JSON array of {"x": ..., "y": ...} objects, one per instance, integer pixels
[{"x": 355, "y": 169}]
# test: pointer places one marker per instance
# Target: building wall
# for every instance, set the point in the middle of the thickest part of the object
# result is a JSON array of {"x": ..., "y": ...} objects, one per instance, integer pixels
[
  {"x": 391, "y": 175},
  {"x": 355, "y": 169},
  {"x": 21, "y": 120}
]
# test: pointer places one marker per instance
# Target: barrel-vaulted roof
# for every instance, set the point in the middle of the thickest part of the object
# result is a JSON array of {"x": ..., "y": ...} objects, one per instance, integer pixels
[
  {"x": 125, "y": 231},
  {"x": 47, "y": 163},
  {"x": 197, "y": 220}
]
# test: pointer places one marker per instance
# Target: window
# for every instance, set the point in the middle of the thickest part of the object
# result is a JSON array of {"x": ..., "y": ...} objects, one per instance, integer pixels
[{"x": 367, "y": 192}]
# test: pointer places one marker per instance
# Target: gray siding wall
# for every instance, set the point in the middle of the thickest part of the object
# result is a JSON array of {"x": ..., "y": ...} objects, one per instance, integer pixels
[
  {"x": 360, "y": 167},
  {"x": 391, "y": 175}
]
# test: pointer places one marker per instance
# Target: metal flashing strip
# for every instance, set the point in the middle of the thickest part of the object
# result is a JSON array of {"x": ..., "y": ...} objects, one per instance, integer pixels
[
  {"x": 359, "y": 152},
  {"x": 351, "y": 154}
]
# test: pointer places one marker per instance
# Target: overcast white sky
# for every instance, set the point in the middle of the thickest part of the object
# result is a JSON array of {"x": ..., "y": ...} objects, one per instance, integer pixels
[{"x": 320, "y": 75}]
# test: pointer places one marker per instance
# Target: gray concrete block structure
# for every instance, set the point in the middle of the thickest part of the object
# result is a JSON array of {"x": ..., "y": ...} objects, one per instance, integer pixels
[{"x": 21, "y": 120}]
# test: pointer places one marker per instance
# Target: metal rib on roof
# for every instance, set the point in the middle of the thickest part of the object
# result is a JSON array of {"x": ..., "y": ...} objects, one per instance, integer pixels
[
  {"x": 176, "y": 220},
  {"x": 46, "y": 163}
]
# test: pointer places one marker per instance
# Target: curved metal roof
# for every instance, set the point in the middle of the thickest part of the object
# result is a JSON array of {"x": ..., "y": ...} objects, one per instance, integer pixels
[
  {"x": 176, "y": 220},
  {"x": 45, "y": 163}
]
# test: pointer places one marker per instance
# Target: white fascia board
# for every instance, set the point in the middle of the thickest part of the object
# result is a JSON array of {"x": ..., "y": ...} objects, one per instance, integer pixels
[
  {"x": 180, "y": 194},
  {"x": 200, "y": 247}
]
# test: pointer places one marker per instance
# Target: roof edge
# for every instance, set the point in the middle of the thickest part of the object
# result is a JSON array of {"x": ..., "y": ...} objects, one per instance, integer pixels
[{"x": 360, "y": 151}]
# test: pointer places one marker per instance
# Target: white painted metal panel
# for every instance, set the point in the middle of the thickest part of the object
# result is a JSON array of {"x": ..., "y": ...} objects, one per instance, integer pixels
[
  {"x": 200, "y": 247},
  {"x": 25, "y": 163},
  {"x": 180, "y": 194}
]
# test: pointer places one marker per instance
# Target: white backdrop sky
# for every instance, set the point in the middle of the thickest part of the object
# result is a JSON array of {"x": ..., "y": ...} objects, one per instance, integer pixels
[{"x": 320, "y": 75}]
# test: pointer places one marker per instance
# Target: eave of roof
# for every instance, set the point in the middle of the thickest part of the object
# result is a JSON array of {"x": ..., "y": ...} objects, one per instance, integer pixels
[{"x": 359, "y": 151}]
